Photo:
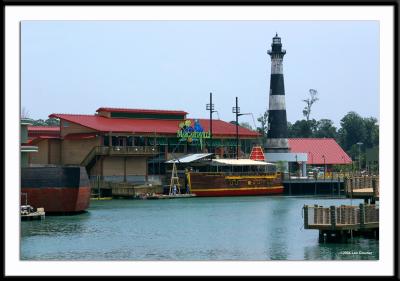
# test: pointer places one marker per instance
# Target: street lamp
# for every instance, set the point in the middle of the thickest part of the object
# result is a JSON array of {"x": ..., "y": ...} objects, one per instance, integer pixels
[{"x": 359, "y": 155}]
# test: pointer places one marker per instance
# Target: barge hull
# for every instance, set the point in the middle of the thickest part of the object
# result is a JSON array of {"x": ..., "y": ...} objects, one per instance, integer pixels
[{"x": 57, "y": 189}]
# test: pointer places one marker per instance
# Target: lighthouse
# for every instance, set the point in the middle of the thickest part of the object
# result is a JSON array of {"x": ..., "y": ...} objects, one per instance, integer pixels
[{"x": 277, "y": 134}]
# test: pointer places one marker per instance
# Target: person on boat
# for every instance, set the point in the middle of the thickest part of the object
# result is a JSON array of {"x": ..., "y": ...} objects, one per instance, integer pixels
[{"x": 174, "y": 190}]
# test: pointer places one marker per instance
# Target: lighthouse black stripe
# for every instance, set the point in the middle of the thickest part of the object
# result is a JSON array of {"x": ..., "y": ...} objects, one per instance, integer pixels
[
  {"x": 277, "y": 84},
  {"x": 278, "y": 124}
]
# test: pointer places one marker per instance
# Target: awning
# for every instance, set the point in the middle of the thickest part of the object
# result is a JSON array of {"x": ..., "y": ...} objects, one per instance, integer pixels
[
  {"x": 238, "y": 162},
  {"x": 189, "y": 158}
]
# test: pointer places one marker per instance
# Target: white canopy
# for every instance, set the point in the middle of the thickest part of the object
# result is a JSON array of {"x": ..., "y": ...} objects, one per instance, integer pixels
[
  {"x": 239, "y": 162},
  {"x": 189, "y": 158}
]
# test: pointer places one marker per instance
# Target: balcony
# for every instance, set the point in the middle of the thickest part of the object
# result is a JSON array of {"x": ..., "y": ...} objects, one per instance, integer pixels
[{"x": 119, "y": 151}]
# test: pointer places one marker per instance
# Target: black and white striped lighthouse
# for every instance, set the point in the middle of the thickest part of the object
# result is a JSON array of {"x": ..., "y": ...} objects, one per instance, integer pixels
[{"x": 277, "y": 122}]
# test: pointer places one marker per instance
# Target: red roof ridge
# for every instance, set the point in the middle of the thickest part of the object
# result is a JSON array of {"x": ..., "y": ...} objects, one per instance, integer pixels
[
  {"x": 43, "y": 128},
  {"x": 70, "y": 114},
  {"x": 107, "y": 109}
]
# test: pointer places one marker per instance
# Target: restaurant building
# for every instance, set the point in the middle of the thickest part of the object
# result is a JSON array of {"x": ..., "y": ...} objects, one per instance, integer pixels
[{"x": 132, "y": 145}]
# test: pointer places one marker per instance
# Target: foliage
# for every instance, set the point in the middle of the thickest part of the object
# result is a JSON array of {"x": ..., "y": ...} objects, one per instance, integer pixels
[
  {"x": 245, "y": 125},
  {"x": 47, "y": 122}
]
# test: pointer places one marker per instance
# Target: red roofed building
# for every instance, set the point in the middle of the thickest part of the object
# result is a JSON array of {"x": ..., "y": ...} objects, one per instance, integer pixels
[
  {"x": 130, "y": 144},
  {"x": 320, "y": 151}
]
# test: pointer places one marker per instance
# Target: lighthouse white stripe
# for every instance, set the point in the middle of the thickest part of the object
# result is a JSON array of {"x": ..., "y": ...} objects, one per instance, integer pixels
[
  {"x": 276, "y": 66},
  {"x": 277, "y": 143},
  {"x": 277, "y": 102}
]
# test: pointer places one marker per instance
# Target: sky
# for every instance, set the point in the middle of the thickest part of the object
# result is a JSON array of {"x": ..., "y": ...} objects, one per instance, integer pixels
[{"x": 76, "y": 67}]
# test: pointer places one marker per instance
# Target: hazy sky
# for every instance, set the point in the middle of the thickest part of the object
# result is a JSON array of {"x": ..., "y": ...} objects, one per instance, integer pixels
[{"x": 78, "y": 66}]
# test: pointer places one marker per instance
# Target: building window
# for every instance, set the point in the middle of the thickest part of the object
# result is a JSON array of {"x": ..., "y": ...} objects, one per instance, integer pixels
[{"x": 65, "y": 124}]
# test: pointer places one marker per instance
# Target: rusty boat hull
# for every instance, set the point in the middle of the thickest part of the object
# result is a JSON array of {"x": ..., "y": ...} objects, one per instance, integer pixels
[{"x": 57, "y": 189}]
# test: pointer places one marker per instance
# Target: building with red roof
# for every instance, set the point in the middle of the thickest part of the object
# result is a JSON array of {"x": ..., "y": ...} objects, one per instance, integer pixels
[
  {"x": 122, "y": 144},
  {"x": 320, "y": 151}
]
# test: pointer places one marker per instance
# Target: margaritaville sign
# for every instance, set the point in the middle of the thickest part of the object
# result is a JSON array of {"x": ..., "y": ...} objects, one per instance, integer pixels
[{"x": 194, "y": 133}]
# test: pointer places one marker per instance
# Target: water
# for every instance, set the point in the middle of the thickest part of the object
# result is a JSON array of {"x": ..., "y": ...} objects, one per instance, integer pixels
[{"x": 211, "y": 229}]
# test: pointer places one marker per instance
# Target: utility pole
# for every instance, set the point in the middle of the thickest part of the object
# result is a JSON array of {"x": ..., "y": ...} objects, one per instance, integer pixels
[
  {"x": 210, "y": 107},
  {"x": 236, "y": 110}
]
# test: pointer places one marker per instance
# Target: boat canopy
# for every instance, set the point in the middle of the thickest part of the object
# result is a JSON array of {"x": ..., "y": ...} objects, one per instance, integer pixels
[
  {"x": 238, "y": 162},
  {"x": 189, "y": 158}
]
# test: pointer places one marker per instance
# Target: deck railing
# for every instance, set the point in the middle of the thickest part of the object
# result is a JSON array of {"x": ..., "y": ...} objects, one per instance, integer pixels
[
  {"x": 342, "y": 216},
  {"x": 119, "y": 150},
  {"x": 355, "y": 183}
]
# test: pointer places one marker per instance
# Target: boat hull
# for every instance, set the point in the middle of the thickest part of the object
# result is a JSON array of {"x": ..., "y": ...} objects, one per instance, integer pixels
[
  {"x": 238, "y": 192},
  {"x": 57, "y": 189},
  {"x": 220, "y": 184}
]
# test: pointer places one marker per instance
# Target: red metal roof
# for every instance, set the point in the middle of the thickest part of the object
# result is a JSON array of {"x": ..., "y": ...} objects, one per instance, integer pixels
[
  {"x": 43, "y": 132},
  {"x": 136, "y": 110},
  {"x": 317, "y": 149},
  {"x": 150, "y": 126},
  {"x": 44, "y": 128}
]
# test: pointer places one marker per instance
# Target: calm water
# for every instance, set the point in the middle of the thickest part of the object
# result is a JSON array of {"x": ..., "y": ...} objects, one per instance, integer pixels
[{"x": 229, "y": 228}]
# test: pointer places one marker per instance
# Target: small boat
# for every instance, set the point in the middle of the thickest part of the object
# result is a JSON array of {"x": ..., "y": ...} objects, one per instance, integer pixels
[{"x": 29, "y": 213}]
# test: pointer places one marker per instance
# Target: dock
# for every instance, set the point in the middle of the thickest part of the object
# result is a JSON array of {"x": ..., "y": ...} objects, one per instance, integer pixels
[
  {"x": 363, "y": 187},
  {"x": 38, "y": 215},
  {"x": 343, "y": 222},
  {"x": 166, "y": 196}
]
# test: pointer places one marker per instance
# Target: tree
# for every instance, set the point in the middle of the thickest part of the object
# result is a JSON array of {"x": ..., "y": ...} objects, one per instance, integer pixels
[
  {"x": 302, "y": 129},
  {"x": 325, "y": 129},
  {"x": 245, "y": 125},
  {"x": 24, "y": 113},
  {"x": 47, "y": 122},
  {"x": 309, "y": 102},
  {"x": 352, "y": 130},
  {"x": 263, "y": 129},
  {"x": 371, "y": 132}
]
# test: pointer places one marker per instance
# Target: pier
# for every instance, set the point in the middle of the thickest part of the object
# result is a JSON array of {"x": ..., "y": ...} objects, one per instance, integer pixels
[
  {"x": 363, "y": 187},
  {"x": 332, "y": 184},
  {"x": 343, "y": 222}
]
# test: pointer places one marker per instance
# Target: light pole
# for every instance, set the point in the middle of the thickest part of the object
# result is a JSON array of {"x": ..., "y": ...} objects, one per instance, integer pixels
[
  {"x": 210, "y": 107},
  {"x": 359, "y": 156},
  {"x": 236, "y": 110}
]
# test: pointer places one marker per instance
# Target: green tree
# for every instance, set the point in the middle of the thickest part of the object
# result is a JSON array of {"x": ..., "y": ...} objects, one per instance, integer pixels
[
  {"x": 371, "y": 132},
  {"x": 263, "y": 129},
  {"x": 303, "y": 129},
  {"x": 245, "y": 125},
  {"x": 352, "y": 130},
  {"x": 47, "y": 122},
  {"x": 325, "y": 129}
]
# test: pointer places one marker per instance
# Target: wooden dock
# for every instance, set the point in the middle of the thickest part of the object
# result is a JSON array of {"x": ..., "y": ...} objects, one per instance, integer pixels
[
  {"x": 166, "y": 196},
  {"x": 343, "y": 222},
  {"x": 363, "y": 187}
]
